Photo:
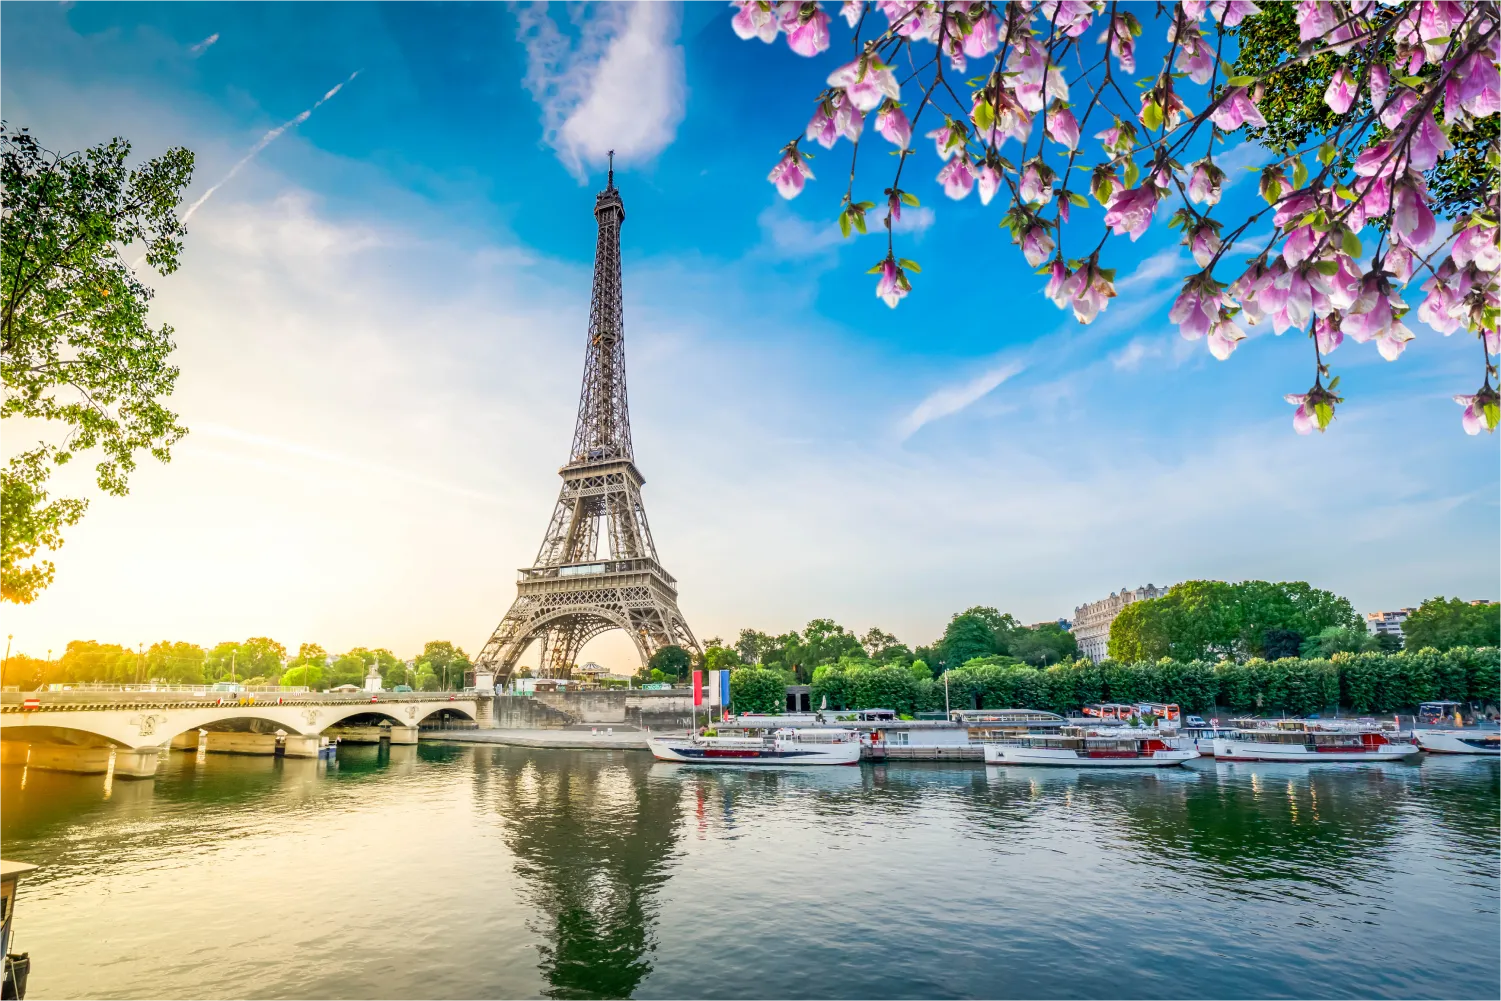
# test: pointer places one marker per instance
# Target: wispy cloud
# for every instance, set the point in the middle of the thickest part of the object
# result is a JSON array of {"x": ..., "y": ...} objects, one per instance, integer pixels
[
  {"x": 1130, "y": 357},
  {"x": 1163, "y": 264},
  {"x": 618, "y": 86},
  {"x": 915, "y": 221},
  {"x": 953, "y": 398},
  {"x": 262, "y": 143},
  {"x": 200, "y": 48},
  {"x": 1235, "y": 161}
]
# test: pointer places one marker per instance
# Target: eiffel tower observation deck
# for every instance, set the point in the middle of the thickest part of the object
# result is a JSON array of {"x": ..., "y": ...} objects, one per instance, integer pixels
[{"x": 597, "y": 568}]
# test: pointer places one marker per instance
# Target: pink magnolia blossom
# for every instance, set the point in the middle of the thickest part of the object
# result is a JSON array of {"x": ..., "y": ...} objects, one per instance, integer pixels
[
  {"x": 1011, "y": 120},
  {"x": 1063, "y": 128},
  {"x": 1256, "y": 292},
  {"x": 1194, "y": 9},
  {"x": 957, "y": 177},
  {"x": 1236, "y": 110},
  {"x": 1377, "y": 82},
  {"x": 1477, "y": 243},
  {"x": 1327, "y": 334},
  {"x": 1194, "y": 56},
  {"x": 1058, "y": 276},
  {"x": 1197, "y": 308},
  {"x": 911, "y": 19},
  {"x": 1412, "y": 219},
  {"x": 1070, "y": 17},
  {"x": 1205, "y": 183},
  {"x": 1037, "y": 245},
  {"x": 1232, "y": 12},
  {"x": 1224, "y": 336},
  {"x": 850, "y": 10},
  {"x": 866, "y": 91},
  {"x": 1475, "y": 88},
  {"x": 988, "y": 180},
  {"x": 1373, "y": 317},
  {"x": 893, "y": 286},
  {"x": 1122, "y": 43},
  {"x": 1428, "y": 144},
  {"x": 983, "y": 38},
  {"x": 1037, "y": 183},
  {"x": 825, "y": 128},
  {"x": 1088, "y": 291},
  {"x": 1316, "y": 18},
  {"x": 1444, "y": 305},
  {"x": 1304, "y": 421},
  {"x": 810, "y": 37},
  {"x": 892, "y": 124},
  {"x": 1298, "y": 246},
  {"x": 1130, "y": 210},
  {"x": 1340, "y": 93},
  {"x": 1203, "y": 242},
  {"x": 947, "y": 139},
  {"x": 754, "y": 21},
  {"x": 1475, "y": 418},
  {"x": 1036, "y": 82},
  {"x": 789, "y": 174},
  {"x": 1397, "y": 107},
  {"x": 1399, "y": 262}
]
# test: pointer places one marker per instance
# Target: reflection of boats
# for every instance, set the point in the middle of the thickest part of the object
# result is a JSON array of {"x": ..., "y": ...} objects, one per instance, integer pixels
[
  {"x": 1079, "y": 748},
  {"x": 17, "y": 967},
  {"x": 1300, "y": 740},
  {"x": 1459, "y": 741},
  {"x": 809, "y": 746}
]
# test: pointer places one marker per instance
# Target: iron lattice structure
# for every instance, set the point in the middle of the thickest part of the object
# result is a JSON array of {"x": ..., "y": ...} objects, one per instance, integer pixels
[{"x": 597, "y": 567}]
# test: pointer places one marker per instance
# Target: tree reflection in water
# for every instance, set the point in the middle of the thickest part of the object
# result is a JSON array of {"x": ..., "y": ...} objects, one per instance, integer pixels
[{"x": 594, "y": 835}]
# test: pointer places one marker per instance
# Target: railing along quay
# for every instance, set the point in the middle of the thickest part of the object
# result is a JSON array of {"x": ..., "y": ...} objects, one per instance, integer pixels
[{"x": 15, "y": 702}]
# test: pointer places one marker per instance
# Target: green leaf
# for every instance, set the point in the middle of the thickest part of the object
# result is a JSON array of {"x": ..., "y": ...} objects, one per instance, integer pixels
[
  {"x": 1324, "y": 414},
  {"x": 1351, "y": 244},
  {"x": 909, "y": 265},
  {"x": 1078, "y": 199},
  {"x": 1327, "y": 153},
  {"x": 1240, "y": 81},
  {"x": 1151, "y": 115},
  {"x": 1300, "y": 174},
  {"x": 877, "y": 269},
  {"x": 909, "y": 199},
  {"x": 1326, "y": 268},
  {"x": 1492, "y": 414},
  {"x": 1333, "y": 384},
  {"x": 1133, "y": 174},
  {"x": 1411, "y": 81},
  {"x": 859, "y": 222},
  {"x": 844, "y": 224}
]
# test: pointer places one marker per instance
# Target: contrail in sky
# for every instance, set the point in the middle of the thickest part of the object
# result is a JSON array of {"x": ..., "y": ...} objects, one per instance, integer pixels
[{"x": 264, "y": 141}]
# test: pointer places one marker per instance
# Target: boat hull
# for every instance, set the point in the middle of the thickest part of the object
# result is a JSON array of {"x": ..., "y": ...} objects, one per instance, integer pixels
[
  {"x": 1229, "y": 749},
  {"x": 1006, "y": 754},
  {"x": 685, "y": 751},
  {"x": 1459, "y": 742}
]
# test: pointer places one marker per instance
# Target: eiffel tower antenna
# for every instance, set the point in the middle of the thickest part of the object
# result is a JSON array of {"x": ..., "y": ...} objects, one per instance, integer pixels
[{"x": 597, "y": 567}]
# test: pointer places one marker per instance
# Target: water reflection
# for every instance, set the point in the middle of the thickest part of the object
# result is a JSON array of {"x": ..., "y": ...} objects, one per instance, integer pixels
[{"x": 593, "y": 835}]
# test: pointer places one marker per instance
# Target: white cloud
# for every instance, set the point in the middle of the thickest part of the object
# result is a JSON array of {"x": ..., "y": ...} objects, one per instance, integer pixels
[
  {"x": 200, "y": 48},
  {"x": 619, "y": 86},
  {"x": 1130, "y": 357},
  {"x": 955, "y": 397},
  {"x": 1165, "y": 263},
  {"x": 1237, "y": 161},
  {"x": 788, "y": 236},
  {"x": 915, "y": 221}
]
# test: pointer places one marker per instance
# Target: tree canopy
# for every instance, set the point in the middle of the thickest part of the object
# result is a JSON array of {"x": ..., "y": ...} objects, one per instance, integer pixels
[
  {"x": 1207, "y": 620},
  {"x": 76, "y": 349},
  {"x": 1443, "y": 623}
]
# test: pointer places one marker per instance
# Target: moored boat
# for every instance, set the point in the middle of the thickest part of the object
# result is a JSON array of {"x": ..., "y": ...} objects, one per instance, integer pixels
[
  {"x": 1486, "y": 742},
  {"x": 786, "y": 746},
  {"x": 1198, "y": 738},
  {"x": 1299, "y": 740},
  {"x": 1076, "y": 747}
]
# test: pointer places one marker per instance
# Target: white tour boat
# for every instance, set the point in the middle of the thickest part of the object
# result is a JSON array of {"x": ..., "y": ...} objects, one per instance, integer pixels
[
  {"x": 1300, "y": 740},
  {"x": 786, "y": 746},
  {"x": 1459, "y": 741},
  {"x": 1199, "y": 738},
  {"x": 1076, "y": 747}
]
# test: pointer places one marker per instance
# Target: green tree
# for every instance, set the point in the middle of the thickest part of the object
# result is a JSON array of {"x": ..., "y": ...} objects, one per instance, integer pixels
[
  {"x": 309, "y": 673},
  {"x": 177, "y": 663},
  {"x": 721, "y": 658},
  {"x": 969, "y": 635},
  {"x": 447, "y": 662},
  {"x": 346, "y": 670},
  {"x": 672, "y": 660},
  {"x": 1443, "y": 623},
  {"x": 753, "y": 645},
  {"x": 1207, "y": 620},
  {"x": 756, "y": 690},
  {"x": 426, "y": 680},
  {"x": 1048, "y": 643},
  {"x": 262, "y": 657},
  {"x": 75, "y": 347},
  {"x": 1338, "y": 639}
]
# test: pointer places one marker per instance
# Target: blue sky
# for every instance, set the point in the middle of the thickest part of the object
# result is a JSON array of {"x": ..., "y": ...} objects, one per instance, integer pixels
[{"x": 381, "y": 321}]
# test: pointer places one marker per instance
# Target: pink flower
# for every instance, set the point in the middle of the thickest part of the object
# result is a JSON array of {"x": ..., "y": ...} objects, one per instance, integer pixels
[
  {"x": 1037, "y": 245},
  {"x": 1299, "y": 245},
  {"x": 957, "y": 177},
  {"x": 1315, "y": 19},
  {"x": 1340, "y": 93},
  {"x": 850, "y": 10},
  {"x": 1476, "y": 418},
  {"x": 1130, "y": 210},
  {"x": 1373, "y": 317},
  {"x": 1375, "y": 161},
  {"x": 788, "y": 175},
  {"x": 1062, "y": 128},
  {"x": 1378, "y": 81},
  {"x": 988, "y": 180},
  {"x": 810, "y": 37},
  {"x": 947, "y": 139},
  {"x": 1205, "y": 182},
  {"x": 1035, "y": 82},
  {"x": 1071, "y": 17},
  {"x": 1236, "y": 110},
  {"x": 1204, "y": 243},
  {"x": 893, "y": 286},
  {"x": 1224, "y": 336},
  {"x": 1058, "y": 276},
  {"x": 1399, "y": 262},
  {"x": 1194, "y": 57},
  {"x": 1197, "y": 308},
  {"x": 1089, "y": 291},
  {"x": 1194, "y": 9},
  {"x": 825, "y": 129},
  {"x": 1122, "y": 43},
  {"x": 1477, "y": 243},
  {"x": 1232, "y": 12},
  {"x": 1393, "y": 341},
  {"x": 1037, "y": 183},
  {"x": 983, "y": 38},
  {"x": 1428, "y": 143},
  {"x": 892, "y": 124},
  {"x": 1303, "y": 418},
  {"x": 1479, "y": 86},
  {"x": 755, "y": 21},
  {"x": 1412, "y": 220},
  {"x": 1397, "y": 108},
  {"x": 868, "y": 89},
  {"x": 1326, "y": 333},
  {"x": 1443, "y": 308},
  {"x": 1253, "y": 288}
]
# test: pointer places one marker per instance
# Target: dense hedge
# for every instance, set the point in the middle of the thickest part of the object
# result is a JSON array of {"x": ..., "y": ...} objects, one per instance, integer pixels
[
  {"x": 1367, "y": 682},
  {"x": 753, "y": 690}
]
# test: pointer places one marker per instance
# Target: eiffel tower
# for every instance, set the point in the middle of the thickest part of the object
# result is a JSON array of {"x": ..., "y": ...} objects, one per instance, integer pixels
[{"x": 574, "y": 591}]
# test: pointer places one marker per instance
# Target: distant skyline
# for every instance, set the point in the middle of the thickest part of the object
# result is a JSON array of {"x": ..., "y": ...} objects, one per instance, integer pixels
[{"x": 381, "y": 315}]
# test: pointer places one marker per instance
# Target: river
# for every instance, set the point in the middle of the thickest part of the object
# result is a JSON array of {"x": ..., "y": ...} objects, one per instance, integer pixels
[{"x": 455, "y": 871}]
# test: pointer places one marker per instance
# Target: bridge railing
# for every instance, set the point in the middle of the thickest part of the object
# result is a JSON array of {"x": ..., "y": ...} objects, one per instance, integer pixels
[{"x": 16, "y": 701}]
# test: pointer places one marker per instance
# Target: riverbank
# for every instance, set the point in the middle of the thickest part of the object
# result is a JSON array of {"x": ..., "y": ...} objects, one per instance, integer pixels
[{"x": 621, "y": 740}]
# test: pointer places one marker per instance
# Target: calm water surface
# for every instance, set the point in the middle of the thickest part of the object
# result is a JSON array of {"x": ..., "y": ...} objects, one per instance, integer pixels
[{"x": 448, "y": 871}]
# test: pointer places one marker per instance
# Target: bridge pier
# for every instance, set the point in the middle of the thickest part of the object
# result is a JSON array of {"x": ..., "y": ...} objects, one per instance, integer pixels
[
  {"x": 229, "y": 742},
  {"x": 136, "y": 762},
  {"x": 70, "y": 758},
  {"x": 295, "y": 745},
  {"x": 403, "y": 735},
  {"x": 14, "y": 752},
  {"x": 187, "y": 741},
  {"x": 358, "y": 734}
]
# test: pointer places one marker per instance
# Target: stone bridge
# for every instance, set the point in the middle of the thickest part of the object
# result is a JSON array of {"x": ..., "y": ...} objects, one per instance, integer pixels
[{"x": 85, "y": 731}]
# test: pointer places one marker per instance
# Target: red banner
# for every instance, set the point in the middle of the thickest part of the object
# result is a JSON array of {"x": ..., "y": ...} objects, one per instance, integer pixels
[{"x": 698, "y": 688}]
